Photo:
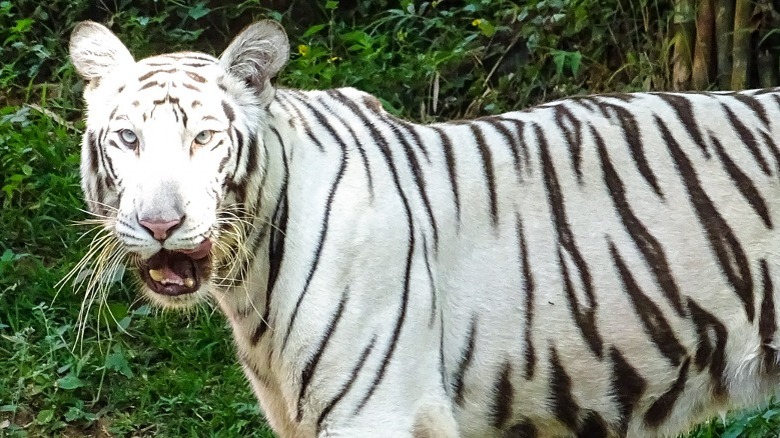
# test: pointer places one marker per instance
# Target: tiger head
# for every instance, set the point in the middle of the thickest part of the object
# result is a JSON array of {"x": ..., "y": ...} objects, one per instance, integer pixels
[{"x": 165, "y": 141}]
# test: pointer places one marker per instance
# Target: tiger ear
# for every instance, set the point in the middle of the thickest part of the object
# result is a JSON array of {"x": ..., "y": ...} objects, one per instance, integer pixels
[
  {"x": 257, "y": 54},
  {"x": 95, "y": 51}
]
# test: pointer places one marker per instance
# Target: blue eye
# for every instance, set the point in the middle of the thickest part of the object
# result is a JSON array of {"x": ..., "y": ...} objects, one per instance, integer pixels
[
  {"x": 128, "y": 137},
  {"x": 203, "y": 137}
]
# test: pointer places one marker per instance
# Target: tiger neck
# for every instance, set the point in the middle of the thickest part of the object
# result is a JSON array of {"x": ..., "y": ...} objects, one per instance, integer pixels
[{"x": 252, "y": 263}]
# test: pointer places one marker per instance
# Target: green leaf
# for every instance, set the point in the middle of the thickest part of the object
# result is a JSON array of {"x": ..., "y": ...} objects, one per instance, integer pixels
[
  {"x": 312, "y": 30},
  {"x": 22, "y": 25},
  {"x": 575, "y": 60},
  {"x": 559, "y": 58},
  {"x": 73, "y": 413},
  {"x": 69, "y": 382},
  {"x": 116, "y": 362},
  {"x": 331, "y": 4},
  {"x": 198, "y": 11},
  {"x": 487, "y": 28},
  {"x": 45, "y": 416}
]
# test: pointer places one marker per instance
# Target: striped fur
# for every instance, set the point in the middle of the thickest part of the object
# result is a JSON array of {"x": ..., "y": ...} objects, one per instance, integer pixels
[{"x": 596, "y": 266}]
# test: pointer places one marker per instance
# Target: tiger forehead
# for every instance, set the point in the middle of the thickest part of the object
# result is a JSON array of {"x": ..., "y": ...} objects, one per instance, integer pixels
[{"x": 190, "y": 70}]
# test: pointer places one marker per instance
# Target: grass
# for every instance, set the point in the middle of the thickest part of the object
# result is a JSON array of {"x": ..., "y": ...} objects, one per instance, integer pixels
[{"x": 141, "y": 372}]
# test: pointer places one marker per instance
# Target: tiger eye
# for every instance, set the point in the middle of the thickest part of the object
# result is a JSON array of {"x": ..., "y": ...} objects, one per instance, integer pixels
[{"x": 204, "y": 137}]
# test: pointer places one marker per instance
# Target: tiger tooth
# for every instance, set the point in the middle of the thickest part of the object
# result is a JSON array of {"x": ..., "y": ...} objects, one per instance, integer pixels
[
  {"x": 189, "y": 282},
  {"x": 156, "y": 275}
]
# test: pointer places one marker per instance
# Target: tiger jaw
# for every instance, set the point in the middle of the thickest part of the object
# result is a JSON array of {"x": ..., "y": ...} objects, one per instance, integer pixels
[{"x": 177, "y": 273}]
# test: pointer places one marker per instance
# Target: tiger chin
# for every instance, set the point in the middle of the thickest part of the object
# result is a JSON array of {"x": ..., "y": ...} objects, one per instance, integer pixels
[{"x": 600, "y": 266}]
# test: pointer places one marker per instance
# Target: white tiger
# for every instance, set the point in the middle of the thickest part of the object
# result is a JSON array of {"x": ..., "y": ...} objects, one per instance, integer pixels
[{"x": 595, "y": 266}]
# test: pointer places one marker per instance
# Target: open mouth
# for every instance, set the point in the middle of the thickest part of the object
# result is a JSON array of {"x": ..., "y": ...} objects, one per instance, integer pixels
[{"x": 175, "y": 273}]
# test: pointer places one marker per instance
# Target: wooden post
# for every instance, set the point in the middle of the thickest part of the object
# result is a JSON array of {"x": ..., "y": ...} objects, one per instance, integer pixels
[
  {"x": 683, "y": 44},
  {"x": 724, "y": 32},
  {"x": 702, "y": 54},
  {"x": 741, "y": 51}
]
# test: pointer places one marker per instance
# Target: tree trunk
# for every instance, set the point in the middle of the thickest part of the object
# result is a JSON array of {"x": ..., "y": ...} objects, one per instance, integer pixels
[
  {"x": 741, "y": 51},
  {"x": 724, "y": 28},
  {"x": 702, "y": 55},
  {"x": 683, "y": 44}
]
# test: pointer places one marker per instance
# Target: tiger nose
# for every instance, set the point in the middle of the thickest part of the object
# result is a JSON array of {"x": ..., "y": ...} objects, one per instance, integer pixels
[{"x": 160, "y": 229}]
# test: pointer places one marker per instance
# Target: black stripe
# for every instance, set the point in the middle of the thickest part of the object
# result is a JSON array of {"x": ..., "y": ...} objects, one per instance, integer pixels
[
  {"x": 396, "y": 330},
  {"x": 708, "y": 327},
  {"x": 197, "y": 64},
  {"x": 748, "y": 139},
  {"x": 276, "y": 245},
  {"x": 154, "y": 72},
  {"x": 767, "y": 325},
  {"x": 323, "y": 233},
  {"x": 633, "y": 137},
  {"x": 526, "y": 429},
  {"x": 360, "y": 148},
  {"x": 652, "y": 318},
  {"x": 445, "y": 384},
  {"x": 427, "y": 261},
  {"x": 348, "y": 384},
  {"x": 743, "y": 184},
  {"x": 573, "y": 136},
  {"x": 449, "y": 156},
  {"x": 510, "y": 142},
  {"x": 381, "y": 142},
  {"x": 252, "y": 161},
  {"x": 755, "y": 106},
  {"x": 191, "y": 87},
  {"x": 528, "y": 290},
  {"x": 193, "y": 56},
  {"x": 561, "y": 399},
  {"x": 151, "y": 84},
  {"x": 465, "y": 361},
  {"x": 184, "y": 116},
  {"x": 773, "y": 149},
  {"x": 584, "y": 313},
  {"x": 418, "y": 176},
  {"x": 311, "y": 364},
  {"x": 503, "y": 397},
  {"x": 684, "y": 109},
  {"x": 722, "y": 239},
  {"x": 229, "y": 113},
  {"x": 520, "y": 143},
  {"x": 92, "y": 152},
  {"x": 410, "y": 130},
  {"x": 660, "y": 409},
  {"x": 648, "y": 245},
  {"x": 302, "y": 120},
  {"x": 239, "y": 142},
  {"x": 487, "y": 169},
  {"x": 593, "y": 426},
  {"x": 627, "y": 387},
  {"x": 195, "y": 77}
]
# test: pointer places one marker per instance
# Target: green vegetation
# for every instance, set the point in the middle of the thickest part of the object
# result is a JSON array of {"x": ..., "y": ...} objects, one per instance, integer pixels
[{"x": 141, "y": 372}]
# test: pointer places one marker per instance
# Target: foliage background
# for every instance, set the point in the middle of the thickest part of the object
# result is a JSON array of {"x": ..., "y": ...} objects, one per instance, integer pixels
[{"x": 140, "y": 372}]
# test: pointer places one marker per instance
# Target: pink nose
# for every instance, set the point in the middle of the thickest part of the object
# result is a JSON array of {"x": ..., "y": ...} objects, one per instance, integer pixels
[{"x": 160, "y": 229}]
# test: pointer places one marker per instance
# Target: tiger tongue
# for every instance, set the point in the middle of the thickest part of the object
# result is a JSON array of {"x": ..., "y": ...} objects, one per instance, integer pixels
[
  {"x": 171, "y": 268},
  {"x": 166, "y": 275}
]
